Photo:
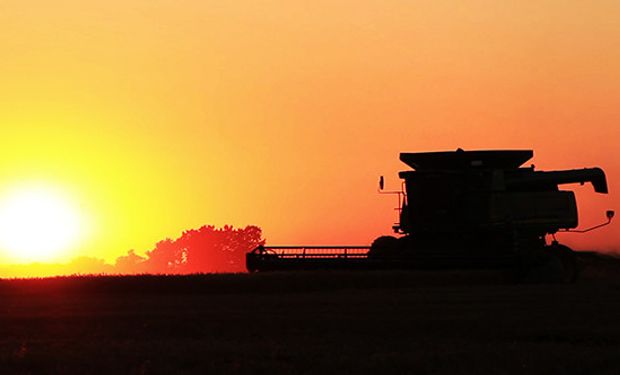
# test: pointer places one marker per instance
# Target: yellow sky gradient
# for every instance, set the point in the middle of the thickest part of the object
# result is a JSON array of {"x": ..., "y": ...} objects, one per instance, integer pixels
[{"x": 160, "y": 115}]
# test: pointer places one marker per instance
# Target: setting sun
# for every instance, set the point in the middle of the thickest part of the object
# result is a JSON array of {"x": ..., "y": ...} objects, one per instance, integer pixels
[{"x": 38, "y": 224}]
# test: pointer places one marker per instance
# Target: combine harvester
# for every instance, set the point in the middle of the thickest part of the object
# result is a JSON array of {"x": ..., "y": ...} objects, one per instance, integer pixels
[{"x": 463, "y": 210}]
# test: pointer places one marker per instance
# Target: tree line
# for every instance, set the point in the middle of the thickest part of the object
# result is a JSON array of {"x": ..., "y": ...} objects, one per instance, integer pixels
[
  {"x": 203, "y": 250},
  {"x": 208, "y": 249}
]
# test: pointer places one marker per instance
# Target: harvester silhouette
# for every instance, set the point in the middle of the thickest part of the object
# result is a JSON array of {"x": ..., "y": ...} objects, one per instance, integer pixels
[{"x": 463, "y": 209}]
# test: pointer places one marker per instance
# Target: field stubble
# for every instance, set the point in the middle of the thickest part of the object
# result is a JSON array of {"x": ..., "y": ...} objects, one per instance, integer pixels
[{"x": 305, "y": 322}]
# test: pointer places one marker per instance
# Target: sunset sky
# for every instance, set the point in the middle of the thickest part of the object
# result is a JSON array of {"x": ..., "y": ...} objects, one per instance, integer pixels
[{"x": 155, "y": 116}]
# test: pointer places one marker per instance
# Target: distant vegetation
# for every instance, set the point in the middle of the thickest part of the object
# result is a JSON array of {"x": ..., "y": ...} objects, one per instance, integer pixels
[{"x": 206, "y": 249}]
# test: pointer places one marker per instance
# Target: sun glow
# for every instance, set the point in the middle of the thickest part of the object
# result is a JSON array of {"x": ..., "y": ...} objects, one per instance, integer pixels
[{"x": 38, "y": 224}]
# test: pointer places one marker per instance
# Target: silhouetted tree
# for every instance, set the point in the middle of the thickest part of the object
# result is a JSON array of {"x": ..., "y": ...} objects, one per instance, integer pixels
[
  {"x": 210, "y": 249},
  {"x": 166, "y": 257},
  {"x": 206, "y": 249}
]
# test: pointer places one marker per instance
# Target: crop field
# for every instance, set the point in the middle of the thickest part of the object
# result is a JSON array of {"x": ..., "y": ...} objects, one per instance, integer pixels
[{"x": 313, "y": 322}]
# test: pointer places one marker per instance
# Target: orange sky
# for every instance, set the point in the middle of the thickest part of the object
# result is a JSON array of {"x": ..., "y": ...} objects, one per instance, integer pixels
[{"x": 159, "y": 115}]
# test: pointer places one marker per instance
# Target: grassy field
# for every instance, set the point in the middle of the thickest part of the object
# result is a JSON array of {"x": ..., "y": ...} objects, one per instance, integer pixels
[{"x": 326, "y": 322}]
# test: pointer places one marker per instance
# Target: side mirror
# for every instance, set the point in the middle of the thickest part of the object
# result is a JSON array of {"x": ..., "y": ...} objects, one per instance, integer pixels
[
  {"x": 381, "y": 185},
  {"x": 610, "y": 214}
]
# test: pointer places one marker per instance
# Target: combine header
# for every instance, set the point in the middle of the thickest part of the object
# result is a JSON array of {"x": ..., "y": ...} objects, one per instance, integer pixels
[
  {"x": 271, "y": 258},
  {"x": 463, "y": 209}
]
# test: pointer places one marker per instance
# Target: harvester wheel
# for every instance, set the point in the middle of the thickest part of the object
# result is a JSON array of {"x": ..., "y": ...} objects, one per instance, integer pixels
[
  {"x": 568, "y": 260},
  {"x": 384, "y": 246},
  {"x": 555, "y": 264}
]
